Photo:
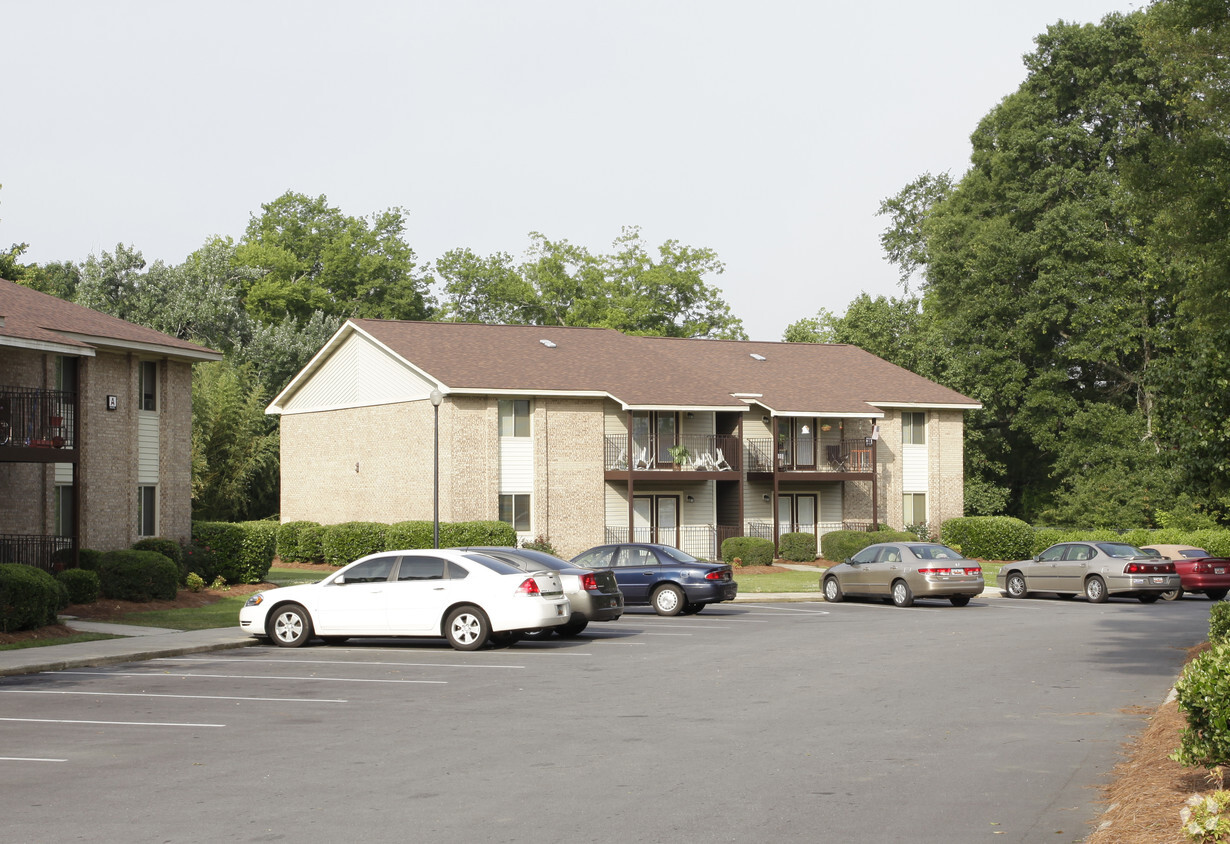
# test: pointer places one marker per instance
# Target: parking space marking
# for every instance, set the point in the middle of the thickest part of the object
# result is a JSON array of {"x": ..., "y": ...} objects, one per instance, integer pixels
[
  {"x": 28, "y": 759},
  {"x": 328, "y": 662},
  {"x": 807, "y": 608},
  {"x": 188, "y": 697},
  {"x": 109, "y": 723},
  {"x": 242, "y": 677}
]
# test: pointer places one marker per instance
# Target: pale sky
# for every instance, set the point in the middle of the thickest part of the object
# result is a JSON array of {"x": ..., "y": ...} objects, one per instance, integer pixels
[{"x": 766, "y": 131}]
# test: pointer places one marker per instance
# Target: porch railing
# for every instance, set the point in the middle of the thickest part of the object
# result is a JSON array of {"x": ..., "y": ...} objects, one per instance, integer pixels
[
  {"x": 49, "y": 553},
  {"x": 701, "y": 541},
  {"x": 705, "y": 453},
  {"x": 850, "y": 455},
  {"x": 33, "y": 418}
]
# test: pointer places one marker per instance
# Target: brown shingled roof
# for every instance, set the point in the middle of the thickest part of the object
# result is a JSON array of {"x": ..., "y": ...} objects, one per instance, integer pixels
[
  {"x": 31, "y": 317},
  {"x": 657, "y": 371}
]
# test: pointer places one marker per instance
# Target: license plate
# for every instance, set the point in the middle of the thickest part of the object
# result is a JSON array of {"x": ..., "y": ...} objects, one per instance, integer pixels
[
  {"x": 1159, "y": 580},
  {"x": 1219, "y": 570},
  {"x": 958, "y": 571}
]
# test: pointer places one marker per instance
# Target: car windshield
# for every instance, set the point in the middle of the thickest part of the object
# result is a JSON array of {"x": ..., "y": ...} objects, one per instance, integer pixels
[
  {"x": 1118, "y": 549},
  {"x": 677, "y": 555},
  {"x": 492, "y": 563},
  {"x": 935, "y": 552}
]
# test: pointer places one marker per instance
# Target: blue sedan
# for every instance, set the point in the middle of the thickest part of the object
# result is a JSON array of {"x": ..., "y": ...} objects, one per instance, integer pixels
[{"x": 662, "y": 577}]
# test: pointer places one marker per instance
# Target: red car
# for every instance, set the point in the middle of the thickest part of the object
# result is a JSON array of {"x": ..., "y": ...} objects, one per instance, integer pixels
[{"x": 1198, "y": 571}]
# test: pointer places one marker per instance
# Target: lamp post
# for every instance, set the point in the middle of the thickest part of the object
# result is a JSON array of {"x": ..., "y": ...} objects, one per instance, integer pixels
[{"x": 436, "y": 398}]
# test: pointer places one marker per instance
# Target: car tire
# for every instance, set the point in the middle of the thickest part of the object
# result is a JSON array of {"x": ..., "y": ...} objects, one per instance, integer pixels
[
  {"x": 1215, "y": 594},
  {"x": 573, "y": 626},
  {"x": 903, "y": 596},
  {"x": 832, "y": 591},
  {"x": 289, "y": 627},
  {"x": 668, "y": 600},
  {"x": 960, "y": 600},
  {"x": 1173, "y": 594},
  {"x": 1015, "y": 586},
  {"x": 1149, "y": 599},
  {"x": 1095, "y": 590},
  {"x": 467, "y": 628}
]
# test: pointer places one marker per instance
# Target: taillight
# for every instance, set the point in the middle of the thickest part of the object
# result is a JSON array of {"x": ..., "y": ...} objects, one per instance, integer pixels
[
  {"x": 589, "y": 583},
  {"x": 715, "y": 575},
  {"x": 529, "y": 586},
  {"x": 967, "y": 570},
  {"x": 1202, "y": 568},
  {"x": 1149, "y": 568}
]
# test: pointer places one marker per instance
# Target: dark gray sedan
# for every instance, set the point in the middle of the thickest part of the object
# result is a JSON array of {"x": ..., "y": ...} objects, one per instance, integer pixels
[
  {"x": 1097, "y": 569},
  {"x": 594, "y": 595},
  {"x": 903, "y": 571}
]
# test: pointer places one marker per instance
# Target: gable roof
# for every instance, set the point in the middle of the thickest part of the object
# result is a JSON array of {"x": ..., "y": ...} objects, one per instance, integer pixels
[
  {"x": 642, "y": 372},
  {"x": 33, "y": 320}
]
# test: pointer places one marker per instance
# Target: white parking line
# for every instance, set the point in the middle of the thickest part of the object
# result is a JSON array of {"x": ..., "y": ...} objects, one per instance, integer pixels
[
  {"x": 109, "y": 723},
  {"x": 28, "y": 759},
  {"x": 807, "y": 607},
  {"x": 326, "y": 662},
  {"x": 240, "y": 677},
  {"x": 668, "y": 634},
  {"x": 188, "y": 697}
]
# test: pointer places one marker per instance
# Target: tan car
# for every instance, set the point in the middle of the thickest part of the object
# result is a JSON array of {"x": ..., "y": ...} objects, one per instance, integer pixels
[
  {"x": 1096, "y": 569},
  {"x": 904, "y": 571}
]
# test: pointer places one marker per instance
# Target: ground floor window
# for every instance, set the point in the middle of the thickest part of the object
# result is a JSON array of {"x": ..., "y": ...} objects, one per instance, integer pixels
[
  {"x": 515, "y": 509},
  {"x": 655, "y": 518},
  {"x": 914, "y": 508},
  {"x": 147, "y": 511},
  {"x": 64, "y": 510}
]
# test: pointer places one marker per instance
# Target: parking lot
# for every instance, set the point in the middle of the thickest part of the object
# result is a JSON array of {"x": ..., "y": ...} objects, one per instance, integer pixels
[{"x": 849, "y": 722}]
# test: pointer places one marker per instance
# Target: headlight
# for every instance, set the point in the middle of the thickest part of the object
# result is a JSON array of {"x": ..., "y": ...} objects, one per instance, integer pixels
[{"x": 255, "y": 600}]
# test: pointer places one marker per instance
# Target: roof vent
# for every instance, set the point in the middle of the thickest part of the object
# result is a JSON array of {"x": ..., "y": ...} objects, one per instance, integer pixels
[
  {"x": 547, "y": 343},
  {"x": 758, "y": 357}
]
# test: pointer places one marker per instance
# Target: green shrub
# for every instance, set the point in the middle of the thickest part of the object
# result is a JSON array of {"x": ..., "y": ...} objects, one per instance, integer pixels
[
  {"x": 1204, "y": 697},
  {"x": 798, "y": 547},
  {"x": 29, "y": 597},
  {"x": 462, "y": 534},
  {"x": 541, "y": 543},
  {"x": 1214, "y": 540},
  {"x": 138, "y": 576},
  {"x": 348, "y": 541},
  {"x": 168, "y": 548},
  {"x": 194, "y": 582},
  {"x": 242, "y": 551},
  {"x": 1205, "y": 817},
  {"x": 752, "y": 550},
  {"x": 404, "y": 535},
  {"x": 839, "y": 545},
  {"x": 989, "y": 537},
  {"x": 199, "y": 560},
  {"x": 1219, "y": 623},
  {"x": 311, "y": 543},
  {"x": 289, "y": 545},
  {"x": 88, "y": 559},
  {"x": 83, "y": 586}
]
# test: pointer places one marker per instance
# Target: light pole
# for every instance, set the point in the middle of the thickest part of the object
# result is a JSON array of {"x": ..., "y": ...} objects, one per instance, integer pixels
[{"x": 436, "y": 398}]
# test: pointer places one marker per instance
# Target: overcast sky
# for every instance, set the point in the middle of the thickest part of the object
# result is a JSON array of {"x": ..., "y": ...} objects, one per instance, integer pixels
[{"x": 766, "y": 131}]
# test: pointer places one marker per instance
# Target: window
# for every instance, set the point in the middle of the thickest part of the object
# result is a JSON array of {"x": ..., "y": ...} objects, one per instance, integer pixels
[
  {"x": 372, "y": 571},
  {"x": 421, "y": 568},
  {"x": 515, "y": 509},
  {"x": 148, "y": 384},
  {"x": 914, "y": 428},
  {"x": 514, "y": 417},
  {"x": 64, "y": 510},
  {"x": 147, "y": 511},
  {"x": 914, "y": 508}
]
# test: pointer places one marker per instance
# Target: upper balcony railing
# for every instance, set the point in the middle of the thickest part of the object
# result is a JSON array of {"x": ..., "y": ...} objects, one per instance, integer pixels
[
  {"x": 699, "y": 453},
  {"x": 33, "y": 418},
  {"x": 850, "y": 455}
]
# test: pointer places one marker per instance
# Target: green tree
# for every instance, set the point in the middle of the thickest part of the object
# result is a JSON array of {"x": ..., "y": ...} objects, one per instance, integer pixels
[{"x": 113, "y": 283}]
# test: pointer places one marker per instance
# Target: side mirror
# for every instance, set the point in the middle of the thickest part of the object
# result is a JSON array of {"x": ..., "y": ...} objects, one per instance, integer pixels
[
  {"x": 1037, "y": 558},
  {"x": 340, "y": 580}
]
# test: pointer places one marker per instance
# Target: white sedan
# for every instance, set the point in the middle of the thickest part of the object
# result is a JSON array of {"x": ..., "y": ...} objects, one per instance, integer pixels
[{"x": 468, "y": 598}]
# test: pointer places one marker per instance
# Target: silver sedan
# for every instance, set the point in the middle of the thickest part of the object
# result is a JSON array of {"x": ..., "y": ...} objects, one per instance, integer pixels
[
  {"x": 1097, "y": 569},
  {"x": 903, "y": 571}
]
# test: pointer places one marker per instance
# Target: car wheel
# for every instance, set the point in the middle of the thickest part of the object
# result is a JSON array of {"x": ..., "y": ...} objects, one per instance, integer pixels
[
  {"x": 335, "y": 640},
  {"x": 959, "y": 600},
  {"x": 506, "y": 637},
  {"x": 467, "y": 629},
  {"x": 290, "y": 626},
  {"x": 668, "y": 600},
  {"x": 1149, "y": 599},
  {"x": 692, "y": 609},
  {"x": 1214, "y": 594},
  {"x": 538, "y": 634},
  {"x": 832, "y": 591},
  {"x": 902, "y": 596},
  {"x": 1015, "y": 585},
  {"x": 573, "y": 626},
  {"x": 1173, "y": 594},
  {"x": 1095, "y": 590}
]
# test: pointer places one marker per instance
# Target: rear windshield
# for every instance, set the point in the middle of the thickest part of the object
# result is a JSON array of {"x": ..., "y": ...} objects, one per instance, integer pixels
[
  {"x": 935, "y": 552},
  {"x": 492, "y": 563},
  {"x": 1118, "y": 549},
  {"x": 677, "y": 555}
]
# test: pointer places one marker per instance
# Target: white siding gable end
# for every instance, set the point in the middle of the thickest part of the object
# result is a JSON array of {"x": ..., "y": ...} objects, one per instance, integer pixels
[{"x": 358, "y": 373}]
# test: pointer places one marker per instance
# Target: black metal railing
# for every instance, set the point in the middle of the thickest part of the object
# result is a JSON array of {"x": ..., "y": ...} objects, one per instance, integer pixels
[
  {"x": 49, "y": 553},
  {"x": 34, "y": 418},
  {"x": 850, "y": 455},
  {"x": 692, "y": 452}
]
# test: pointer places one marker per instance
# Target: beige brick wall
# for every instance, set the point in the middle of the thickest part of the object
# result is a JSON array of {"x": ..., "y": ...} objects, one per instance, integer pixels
[
  {"x": 946, "y": 472},
  {"x": 569, "y": 490}
]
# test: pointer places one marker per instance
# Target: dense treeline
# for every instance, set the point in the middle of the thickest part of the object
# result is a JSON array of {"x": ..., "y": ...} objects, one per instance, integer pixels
[{"x": 1075, "y": 280}]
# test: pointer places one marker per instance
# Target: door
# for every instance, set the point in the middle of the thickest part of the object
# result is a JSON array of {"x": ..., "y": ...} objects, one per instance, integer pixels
[
  {"x": 636, "y": 570},
  {"x": 655, "y": 518},
  {"x": 1069, "y": 573},
  {"x": 358, "y": 605},
  {"x": 419, "y": 596}
]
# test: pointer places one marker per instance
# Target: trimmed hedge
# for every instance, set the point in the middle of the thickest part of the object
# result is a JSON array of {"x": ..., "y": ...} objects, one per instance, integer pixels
[
  {"x": 138, "y": 576},
  {"x": 752, "y": 550},
  {"x": 461, "y": 534},
  {"x": 290, "y": 546},
  {"x": 989, "y": 537},
  {"x": 798, "y": 547},
  {"x": 1219, "y": 623},
  {"x": 414, "y": 534},
  {"x": 83, "y": 586},
  {"x": 839, "y": 545},
  {"x": 242, "y": 551},
  {"x": 201, "y": 561},
  {"x": 1201, "y": 691},
  {"x": 346, "y": 542},
  {"x": 29, "y": 597},
  {"x": 168, "y": 548}
]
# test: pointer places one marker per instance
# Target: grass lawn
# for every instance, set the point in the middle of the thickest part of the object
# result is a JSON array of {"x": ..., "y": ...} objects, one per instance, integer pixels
[
  {"x": 785, "y": 581},
  {"x": 293, "y": 577},
  {"x": 223, "y": 613}
]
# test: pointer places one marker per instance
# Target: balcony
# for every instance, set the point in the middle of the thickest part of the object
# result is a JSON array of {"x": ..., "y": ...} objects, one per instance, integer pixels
[
  {"x": 37, "y": 425},
  {"x": 849, "y": 457},
  {"x": 709, "y": 455},
  {"x": 704, "y": 542}
]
